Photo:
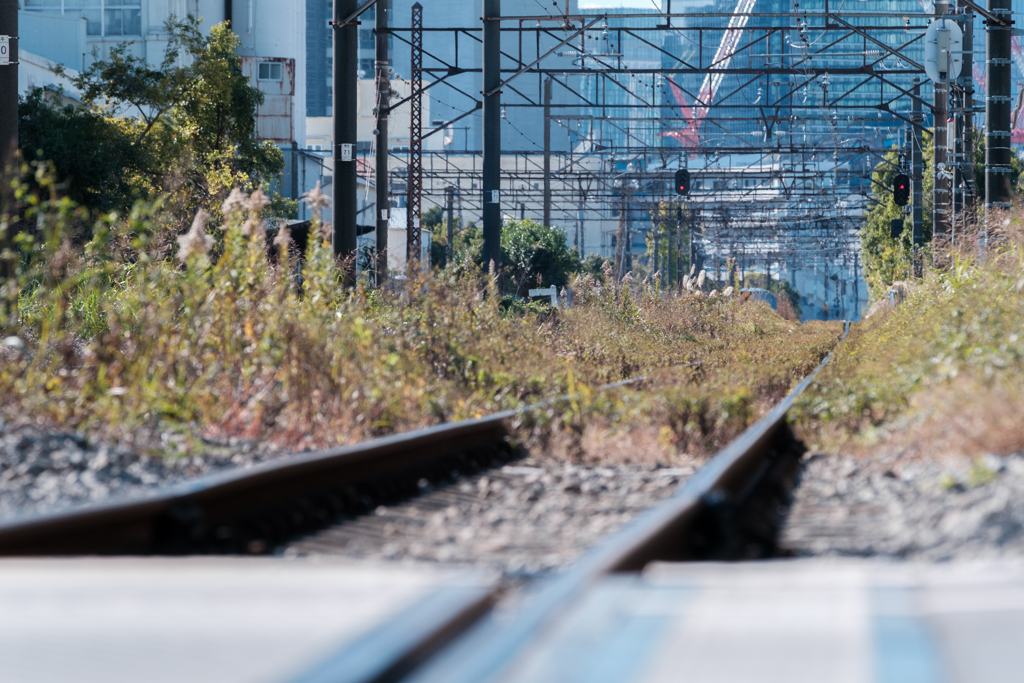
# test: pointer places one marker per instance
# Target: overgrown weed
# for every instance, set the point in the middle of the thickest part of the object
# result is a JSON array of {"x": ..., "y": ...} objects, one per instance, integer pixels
[
  {"x": 940, "y": 374},
  {"x": 223, "y": 339}
]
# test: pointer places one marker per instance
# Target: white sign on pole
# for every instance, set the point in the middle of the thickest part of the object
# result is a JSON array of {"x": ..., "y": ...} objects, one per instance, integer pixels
[
  {"x": 495, "y": 197},
  {"x": 5, "y": 50},
  {"x": 943, "y": 50},
  {"x": 346, "y": 151}
]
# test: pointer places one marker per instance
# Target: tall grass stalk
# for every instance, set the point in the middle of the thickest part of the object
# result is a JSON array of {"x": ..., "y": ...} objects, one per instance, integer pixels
[{"x": 223, "y": 335}]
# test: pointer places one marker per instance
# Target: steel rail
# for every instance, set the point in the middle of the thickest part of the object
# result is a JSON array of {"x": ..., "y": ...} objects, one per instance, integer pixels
[
  {"x": 228, "y": 511},
  {"x": 671, "y": 530},
  {"x": 181, "y": 517}
]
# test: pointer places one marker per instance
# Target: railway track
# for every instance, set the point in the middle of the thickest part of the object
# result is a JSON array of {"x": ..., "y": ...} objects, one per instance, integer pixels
[
  {"x": 253, "y": 510},
  {"x": 729, "y": 509}
]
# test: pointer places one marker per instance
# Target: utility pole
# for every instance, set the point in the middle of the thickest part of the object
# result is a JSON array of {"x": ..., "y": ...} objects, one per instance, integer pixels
[
  {"x": 672, "y": 260},
  {"x": 620, "y": 237},
  {"x": 693, "y": 239},
  {"x": 917, "y": 167},
  {"x": 691, "y": 214},
  {"x": 8, "y": 86},
  {"x": 382, "y": 66},
  {"x": 547, "y": 153},
  {"x": 579, "y": 228},
  {"x": 940, "y": 187},
  {"x": 413, "y": 241},
  {"x": 492, "y": 133},
  {"x": 963, "y": 142},
  {"x": 654, "y": 235},
  {"x": 345, "y": 49},
  {"x": 956, "y": 156},
  {"x": 449, "y": 195},
  {"x": 627, "y": 253},
  {"x": 997, "y": 107}
]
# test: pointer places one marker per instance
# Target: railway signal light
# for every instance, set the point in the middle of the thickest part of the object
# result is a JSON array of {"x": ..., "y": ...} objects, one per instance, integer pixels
[
  {"x": 895, "y": 228},
  {"x": 901, "y": 189},
  {"x": 682, "y": 181}
]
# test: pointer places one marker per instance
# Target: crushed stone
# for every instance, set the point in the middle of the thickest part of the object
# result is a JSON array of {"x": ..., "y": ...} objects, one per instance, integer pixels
[
  {"x": 888, "y": 506},
  {"x": 43, "y": 469},
  {"x": 526, "y": 518}
]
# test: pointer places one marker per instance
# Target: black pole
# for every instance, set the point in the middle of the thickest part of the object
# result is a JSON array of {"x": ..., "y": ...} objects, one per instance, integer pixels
[
  {"x": 917, "y": 166},
  {"x": 997, "y": 107},
  {"x": 547, "y": 153},
  {"x": 967, "y": 145},
  {"x": 8, "y": 86},
  {"x": 449, "y": 195},
  {"x": 492, "y": 133},
  {"x": 344, "y": 153},
  {"x": 940, "y": 183},
  {"x": 383, "y": 207}
]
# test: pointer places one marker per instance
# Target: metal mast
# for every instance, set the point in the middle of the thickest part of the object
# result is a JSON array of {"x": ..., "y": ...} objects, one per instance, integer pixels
[
  {"x": 547, "y": 152},
  {"x": 346, "y": 44},
  {"x": 492, "y": 133},
  {"x": 415, "y": 135},
  {"x": 8, "y": 85},
  {"x": 383, "y": 202},
  {"x": 997, "y": 107}
]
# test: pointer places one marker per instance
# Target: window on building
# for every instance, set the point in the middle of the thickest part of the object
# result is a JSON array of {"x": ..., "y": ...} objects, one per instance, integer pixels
[
  {"x": 102, "y": 17},
  {"x": 122, "y": 18},
  {"x": 270, "y": 71}
]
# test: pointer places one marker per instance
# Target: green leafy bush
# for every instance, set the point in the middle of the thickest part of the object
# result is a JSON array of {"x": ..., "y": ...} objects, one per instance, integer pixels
[{"x": 534, "y": 256}]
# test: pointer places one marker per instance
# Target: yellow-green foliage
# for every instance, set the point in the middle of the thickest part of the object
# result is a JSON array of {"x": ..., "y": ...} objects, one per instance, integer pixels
[
  {"x": 887, "y": 260},
  {"x": 956, "y": 342}
]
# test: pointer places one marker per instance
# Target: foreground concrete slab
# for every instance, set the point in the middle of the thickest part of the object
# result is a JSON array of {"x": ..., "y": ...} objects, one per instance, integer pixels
[
  {"x": 801, "y": 621},
  {"x": 226, "y": 620}
]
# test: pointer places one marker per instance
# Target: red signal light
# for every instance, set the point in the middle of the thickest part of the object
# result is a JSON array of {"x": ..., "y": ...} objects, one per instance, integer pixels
[
  {"x": 682, "y": 181},
  {"x": 901, "y": 189}
]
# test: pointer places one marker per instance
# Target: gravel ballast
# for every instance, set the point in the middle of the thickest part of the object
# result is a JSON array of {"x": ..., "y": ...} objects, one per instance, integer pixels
[
  {"x": 525, "y": 518},
  {"x": 42, "y": 469},
  {"x": 927, "y": 510}
]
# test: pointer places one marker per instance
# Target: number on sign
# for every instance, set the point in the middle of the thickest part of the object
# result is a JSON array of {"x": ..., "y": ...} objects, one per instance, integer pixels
[{"x": 5, "y": 50}]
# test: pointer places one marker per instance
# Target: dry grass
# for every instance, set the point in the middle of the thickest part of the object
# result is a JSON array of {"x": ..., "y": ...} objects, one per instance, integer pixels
[
  {"x": 942, "y": 374},
  {"x": 129, "y": 344}
]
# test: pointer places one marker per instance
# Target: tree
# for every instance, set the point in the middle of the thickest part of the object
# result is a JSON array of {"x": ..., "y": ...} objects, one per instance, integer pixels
[
  {"x": 885, "y": 259},
  {"x": 95, "y": 158},
  {"x": 186, "y": 127},
  {"x": 535, "y": 256},
  {"x": 668, "y": 241}
]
